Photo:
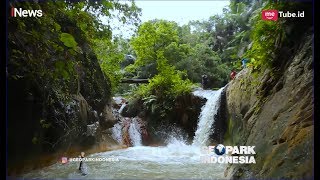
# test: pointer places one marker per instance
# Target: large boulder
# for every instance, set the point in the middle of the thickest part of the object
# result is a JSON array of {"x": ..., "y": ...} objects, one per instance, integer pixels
[
  {"x": 132, "y": 108},
  {"x": 107, "y": 119}
]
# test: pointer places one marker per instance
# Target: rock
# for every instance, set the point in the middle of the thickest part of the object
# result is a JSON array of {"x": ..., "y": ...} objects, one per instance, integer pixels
[
  {"x": 143, "y": 130},
  {"x": 220, "y": 125},
  {"x": 66, "y": 104},
  {"x": 185, "y": 113},
  {"x": 107, "y": 120},
  {"x": 277, "y": 119},
  {"x": 92, "y": 129},
  {"x": 125, "y": 132},
  {"x": 118, "y": 102},
  {"x": 132, "y": 109},
  {"x": 83, "y": 108}
]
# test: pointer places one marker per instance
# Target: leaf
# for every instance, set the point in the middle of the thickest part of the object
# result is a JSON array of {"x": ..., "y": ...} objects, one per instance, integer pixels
[
  {"x": 68, "y": 40},
  {"x": 57, "y": 26},
  {"x": 108, "y": 5},
  {"x": 59, "y": 65},
  {"x": 83, "y": 26},
  {"x": 61, "y": 69}
]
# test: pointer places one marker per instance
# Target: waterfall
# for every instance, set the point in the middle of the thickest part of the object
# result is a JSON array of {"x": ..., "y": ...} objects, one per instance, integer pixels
[
  {"x": 122, "y": 107},
  {"x": 150, "y": 162},
  {"x": 120, "y": 130},
  {"x": 135, "y": 133},
  {"x": 128, "y": 130},
  {"x": 117, "y": 132},
  {"x": 206, "y": 118}
]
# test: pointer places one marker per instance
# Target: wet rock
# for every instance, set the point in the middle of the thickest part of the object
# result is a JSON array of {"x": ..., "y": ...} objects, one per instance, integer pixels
[
  {"x": 125, "y": 132},
  {"x": 220, "y": 124},
  {"x": 277, "y": 119},
  {"x": 186, "y": 113},
  {"x": 145, "y": 138},
  {"x": 83, "y": 108},
  {"x": 108, "y": 119},
  {"x": 132, "y": 109},
  {"x": 92, "y": 129}
]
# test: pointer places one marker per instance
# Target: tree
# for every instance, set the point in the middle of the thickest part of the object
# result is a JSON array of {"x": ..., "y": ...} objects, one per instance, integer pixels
[
  {"x": 152, "y": 38},
  {"x": 53, "y": 59}
]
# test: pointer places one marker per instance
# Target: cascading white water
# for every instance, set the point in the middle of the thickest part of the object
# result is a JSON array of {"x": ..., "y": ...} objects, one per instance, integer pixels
[
  {"x": 176, "y": 160},
  {"x": 204, "y": 126},
  {"x": 122, "y": 107},
  {"x": 135, "y": 133},
  {"x": 117, "y": 132},
  {"x": 206, "y": 118}
]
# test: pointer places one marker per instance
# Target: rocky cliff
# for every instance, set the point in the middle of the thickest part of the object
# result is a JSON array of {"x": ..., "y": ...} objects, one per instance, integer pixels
[
  {"x": 273, "y": 111},
  {"x": 59, "y": 100}
]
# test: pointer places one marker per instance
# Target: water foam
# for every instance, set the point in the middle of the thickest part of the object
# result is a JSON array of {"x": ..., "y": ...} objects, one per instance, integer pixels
[{"x": 206, "y": 118}]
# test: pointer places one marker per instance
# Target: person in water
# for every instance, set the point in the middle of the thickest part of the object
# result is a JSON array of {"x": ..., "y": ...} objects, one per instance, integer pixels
[{"x": 81, "y": 163}]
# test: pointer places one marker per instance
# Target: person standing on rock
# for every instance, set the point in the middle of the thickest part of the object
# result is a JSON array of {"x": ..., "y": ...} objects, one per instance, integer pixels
[
  {"x": 204, "y": 81},
  {"x": 244, "y": 62},
  {"x": 233, "y": 74}
]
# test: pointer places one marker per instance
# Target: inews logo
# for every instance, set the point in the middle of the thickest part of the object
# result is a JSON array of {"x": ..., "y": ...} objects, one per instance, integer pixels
[{"x": 19, "y": 12}]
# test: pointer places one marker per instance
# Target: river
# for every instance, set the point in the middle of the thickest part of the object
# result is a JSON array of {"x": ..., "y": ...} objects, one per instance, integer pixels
[{"x": 176, "y": 160}]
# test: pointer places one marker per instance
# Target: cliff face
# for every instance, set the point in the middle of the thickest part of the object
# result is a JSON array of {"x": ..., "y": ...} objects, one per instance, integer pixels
[
  {"x": 58, "y": 97},
  {"x": 273, "y": 112}
]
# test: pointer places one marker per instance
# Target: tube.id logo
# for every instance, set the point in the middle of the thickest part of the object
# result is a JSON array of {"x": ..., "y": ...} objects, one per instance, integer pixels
[
  {"x": 19, "y": 12},
  {"x": 271, "y": 15}
]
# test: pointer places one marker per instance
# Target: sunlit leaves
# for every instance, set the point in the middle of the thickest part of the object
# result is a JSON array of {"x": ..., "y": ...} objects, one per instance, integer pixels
[
  {"x": 68, "y": 40},
  {"x": 110, "y": 58},
  {"x": 153, "y": 37},
  {"x": 264, "y": 36},
  {"x": 156, "y": 42}
]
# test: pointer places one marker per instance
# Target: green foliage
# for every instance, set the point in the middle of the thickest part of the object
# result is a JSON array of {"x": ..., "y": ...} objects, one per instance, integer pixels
[
  {"x": 168, "y": 83},
  {"x": 157, "y": 48},
  {"x": 185, "y": 50},
  {"x": 110, "y": 57},
  {"x": 63, "y": 69},
  {"x": 163, "y": 89},
  {"x": 152, "y": 37},
  {"x": 55, "y": 58},
  {"x": 266, "y": 37},
  {"x": 68, "y": 40}
]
